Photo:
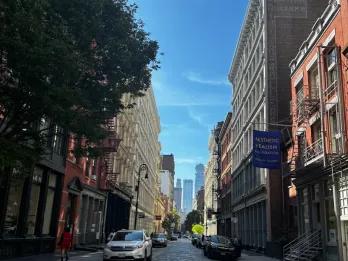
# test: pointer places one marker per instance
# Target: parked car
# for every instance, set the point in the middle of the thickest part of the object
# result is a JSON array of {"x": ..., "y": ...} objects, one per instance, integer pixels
[
  {"x": 220, "y": 247},
  {"x": 174, "y": 237},
  {"x": 159, "y": 239},
  {"x": 194, "y": 239},
  {"x": 238, "y": 246},
  {"x": 201, "y": 241},
  {"x": 129, "y": 244}
]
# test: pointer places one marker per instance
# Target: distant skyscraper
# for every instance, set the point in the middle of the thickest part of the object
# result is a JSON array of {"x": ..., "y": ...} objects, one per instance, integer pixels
[
  {"x": 178, "y": 194},
  {"x": 199, "y": 180},
  {"x": 178, "y": 183},
  {"x": 187, "y": 195}
]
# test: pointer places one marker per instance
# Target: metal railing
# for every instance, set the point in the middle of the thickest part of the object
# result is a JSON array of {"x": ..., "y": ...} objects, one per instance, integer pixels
[
  {"x": 313, "y": 150},
  {"x": 305, "y": 247},
  {"x": 330, "y": 91}
]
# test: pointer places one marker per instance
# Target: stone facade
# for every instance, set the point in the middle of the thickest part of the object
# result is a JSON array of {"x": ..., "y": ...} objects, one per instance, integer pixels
[
  {"x": 147, "y": 150},
  {"x": 211, "y": 182},
  {"x": 224, "y": 180}
]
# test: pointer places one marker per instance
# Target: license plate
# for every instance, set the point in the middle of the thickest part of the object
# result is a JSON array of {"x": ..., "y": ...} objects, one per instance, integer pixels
[
  {"x": 121, "y": 255},
  {"x": 223, "y": 254}
]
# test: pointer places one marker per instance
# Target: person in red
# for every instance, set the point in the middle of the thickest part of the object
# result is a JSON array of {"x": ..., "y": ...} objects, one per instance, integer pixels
[{"x": 65, "y": 243}]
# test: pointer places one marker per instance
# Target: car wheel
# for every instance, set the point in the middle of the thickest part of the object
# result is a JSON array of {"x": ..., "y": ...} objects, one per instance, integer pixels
[{"x": 209, "y": 255}]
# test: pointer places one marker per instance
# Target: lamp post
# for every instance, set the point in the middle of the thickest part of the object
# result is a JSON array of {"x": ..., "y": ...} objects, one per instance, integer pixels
[{"x": 142, "y": 167}]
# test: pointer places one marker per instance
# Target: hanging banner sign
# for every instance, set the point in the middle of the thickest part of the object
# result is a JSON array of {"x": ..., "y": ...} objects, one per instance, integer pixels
[{"x": 266, "y": 149}]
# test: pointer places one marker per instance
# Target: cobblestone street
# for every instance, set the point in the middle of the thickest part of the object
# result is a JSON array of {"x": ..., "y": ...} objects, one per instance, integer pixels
[{"x": 181, "y": 250}]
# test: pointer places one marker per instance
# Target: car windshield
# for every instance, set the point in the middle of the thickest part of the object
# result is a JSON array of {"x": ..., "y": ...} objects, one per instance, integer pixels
[
  {"x": 159, "y": 236},
  {"x": 128, "y": 236},
  {"x": 223, "y": 240}
]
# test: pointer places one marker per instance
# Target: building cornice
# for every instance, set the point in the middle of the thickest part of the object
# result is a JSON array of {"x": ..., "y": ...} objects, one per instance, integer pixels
[{"x": 318, "y": 29}]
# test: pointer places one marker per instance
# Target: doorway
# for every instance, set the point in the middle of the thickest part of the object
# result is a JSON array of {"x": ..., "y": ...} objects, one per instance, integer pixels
[{"x": 70, "y": 213}]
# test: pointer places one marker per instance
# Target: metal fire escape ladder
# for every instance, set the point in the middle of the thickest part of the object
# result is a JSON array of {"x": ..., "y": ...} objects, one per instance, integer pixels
[
  {"x": 111, "y": 175},
  {"x": 306, "y": 247}
]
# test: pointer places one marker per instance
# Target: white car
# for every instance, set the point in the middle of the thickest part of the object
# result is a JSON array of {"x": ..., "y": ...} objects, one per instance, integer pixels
[{"x": 129, "y": 245}]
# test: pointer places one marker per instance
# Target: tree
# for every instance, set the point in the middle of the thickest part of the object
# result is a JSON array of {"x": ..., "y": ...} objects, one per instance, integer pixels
[
  {"x": 198, "y": 229},
  {"x": 170, "y": 219},
  {"x": 194, "y": 217},
  {"x": 69, "y": 62}
]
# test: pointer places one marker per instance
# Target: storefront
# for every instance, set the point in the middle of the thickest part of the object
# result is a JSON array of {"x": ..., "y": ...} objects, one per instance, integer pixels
[
  {"x": 29, "y": 211},
  {"x": 118, "y": 212},
  {"x": 91, "y": 216},
  {"x": 320, "y": 197},
  {"x": 342, "y": 178}
]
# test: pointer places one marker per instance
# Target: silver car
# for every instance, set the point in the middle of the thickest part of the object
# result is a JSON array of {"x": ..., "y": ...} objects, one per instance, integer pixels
[{"x": 129, "y": 245}]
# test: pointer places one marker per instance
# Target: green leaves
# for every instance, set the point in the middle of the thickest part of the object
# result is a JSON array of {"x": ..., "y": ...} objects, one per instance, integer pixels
[
  {"x": 194, "y": 217},
  {"x": 69, "y": 61},
  {"x": 197, "y": 229},
  {"x": 170, "y": 219}
]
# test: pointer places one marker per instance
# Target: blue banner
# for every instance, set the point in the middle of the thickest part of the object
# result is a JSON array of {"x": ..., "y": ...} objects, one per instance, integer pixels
[{"x": 266, "y": 149}]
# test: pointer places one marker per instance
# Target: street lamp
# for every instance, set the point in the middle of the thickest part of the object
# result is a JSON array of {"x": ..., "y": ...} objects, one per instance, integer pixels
[{"x": 142, "y": 167}]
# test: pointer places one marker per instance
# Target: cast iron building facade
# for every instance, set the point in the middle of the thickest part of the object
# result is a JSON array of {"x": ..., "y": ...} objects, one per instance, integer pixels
[
  {"x": 212, "y": 173},
  {"x": 270, "y": 36}
]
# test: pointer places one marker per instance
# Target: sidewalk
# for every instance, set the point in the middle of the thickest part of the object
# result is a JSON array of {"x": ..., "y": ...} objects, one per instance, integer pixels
[
  {"x": 52, "y": 256},
  {"x": 253, "y": 256}
]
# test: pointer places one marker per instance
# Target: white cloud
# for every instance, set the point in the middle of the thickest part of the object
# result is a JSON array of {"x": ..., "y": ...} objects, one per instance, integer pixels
[
  {"x": 188, "y": 160},
  {"x": 197, "y": 78},
  {"x": 168, "y": 95}
]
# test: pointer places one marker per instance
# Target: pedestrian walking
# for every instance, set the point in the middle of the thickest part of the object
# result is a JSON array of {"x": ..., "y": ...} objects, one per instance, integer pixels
[{"x": 65, "y": 243}]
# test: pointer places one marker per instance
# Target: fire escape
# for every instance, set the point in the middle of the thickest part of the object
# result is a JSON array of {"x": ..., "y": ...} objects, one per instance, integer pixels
[
  {"x": 325, "y": 108},
  {"x": 306, "y": 107},
  {"x": 109, "y": 146}
]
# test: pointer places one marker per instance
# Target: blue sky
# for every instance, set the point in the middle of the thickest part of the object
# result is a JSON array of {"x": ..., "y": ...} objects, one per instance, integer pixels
[{"x": 198, "y": 39}]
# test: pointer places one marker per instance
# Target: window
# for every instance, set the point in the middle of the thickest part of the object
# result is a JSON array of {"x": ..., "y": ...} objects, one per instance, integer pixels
[
  {"x": 13, "y": 203},
  {"x": 299, "y": 99},
  {"x": 316, "y": 131},
  {"x": 332, "y": 71},
  {"x": 52, "y": 180},
  {"x": 34, "y": 200},
  {"x": 334, "y": 130},
  {"x": 58, "y": 140},
  {"x": 314, "y": 82}
]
